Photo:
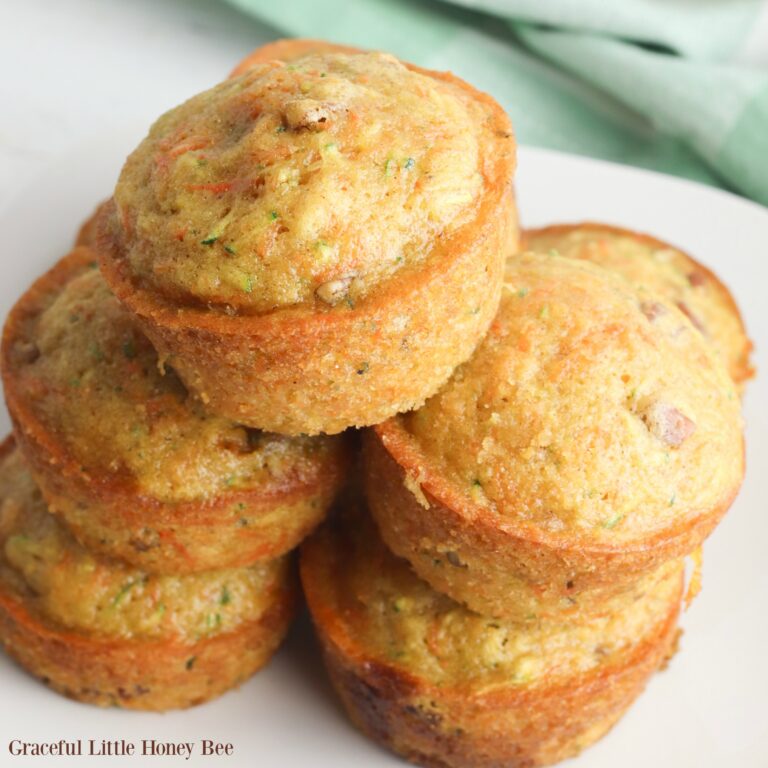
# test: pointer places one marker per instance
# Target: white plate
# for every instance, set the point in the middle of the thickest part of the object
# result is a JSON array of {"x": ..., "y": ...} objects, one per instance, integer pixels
[{"x": 707, "y": 710}]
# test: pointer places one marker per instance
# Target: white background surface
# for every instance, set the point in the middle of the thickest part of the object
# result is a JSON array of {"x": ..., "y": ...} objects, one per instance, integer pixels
[
  {"x": 81, "y": 81},
  {"x": 76, "y": 69}
]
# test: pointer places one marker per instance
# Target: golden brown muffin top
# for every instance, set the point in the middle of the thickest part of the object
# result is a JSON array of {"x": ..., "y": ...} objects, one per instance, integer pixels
[
  {"x": 93, "y": 381},
  {"x": 393, "y": 616},
  {"x": 592, "y": 409},
  {"x": 312, "y": 181},
  {"x": 664, "y": 270},
  {"x": 60, "y": 581}
]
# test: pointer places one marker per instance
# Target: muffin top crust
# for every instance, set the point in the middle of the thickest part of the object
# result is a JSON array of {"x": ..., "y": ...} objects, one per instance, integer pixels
[
  {"x": 84, "y": 372},
  {"x": 661, "y": 269},
  {"x": 301, "y": 183},
  {"x": 395, "y": 617},
  {"x": 592, "y": 409},
  {"x": 61, "y": 582}
]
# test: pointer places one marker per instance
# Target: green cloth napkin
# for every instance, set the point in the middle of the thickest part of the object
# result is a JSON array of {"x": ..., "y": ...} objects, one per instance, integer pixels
[{"x": 646, "y": 82}]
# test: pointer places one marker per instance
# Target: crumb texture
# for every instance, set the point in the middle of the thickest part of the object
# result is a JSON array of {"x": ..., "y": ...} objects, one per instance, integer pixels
[
  {"x": 94, "y": 381},
  {"x": 303, "y": 183},
  {"x": 664, "y": 270},
  {"x": 399, "y": 619},
  {"x": 592, "y": 406},
  {"x": 60, "y": 581}
]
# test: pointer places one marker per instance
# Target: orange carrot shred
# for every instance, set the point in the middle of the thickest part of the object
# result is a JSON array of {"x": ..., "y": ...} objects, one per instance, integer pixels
[
  {"x": 189, "y": 146},
  {"x": 216, "y": 187}
]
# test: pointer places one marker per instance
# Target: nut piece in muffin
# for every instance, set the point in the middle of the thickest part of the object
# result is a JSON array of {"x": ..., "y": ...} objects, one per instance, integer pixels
[
  {"x": 444, "y": 686},
  {"x": 316, "y": 244},
  {"x": 108, "y": 634},
  {"x": 128, "y": 459},
  {"x": 662, "y": 269},
  {"x": 593, "y": 435}
]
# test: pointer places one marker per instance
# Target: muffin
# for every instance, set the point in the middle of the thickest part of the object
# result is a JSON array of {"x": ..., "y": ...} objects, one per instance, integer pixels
[
  {"x": 663, "y": 269},
  {"x": 444, "y": 686},
  {"x": 316, "y": 244},
  {"x": 108, "y": 634},
  {"x": 128, "y": 459},
  {"x": 593, "y": 436}
]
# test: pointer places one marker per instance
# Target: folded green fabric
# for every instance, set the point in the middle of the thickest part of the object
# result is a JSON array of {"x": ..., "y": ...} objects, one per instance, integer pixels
[{"x": 646, "y": 82}]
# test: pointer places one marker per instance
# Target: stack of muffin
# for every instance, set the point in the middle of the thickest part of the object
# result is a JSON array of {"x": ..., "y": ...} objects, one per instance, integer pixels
[
  {"x": 162, "y": 578},
  {"x": 329, "y": 240}
]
